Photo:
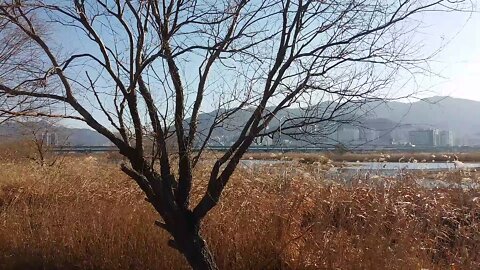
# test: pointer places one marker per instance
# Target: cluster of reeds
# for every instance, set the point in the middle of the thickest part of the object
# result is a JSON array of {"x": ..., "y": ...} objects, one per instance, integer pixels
[
  {"x": 406, "y": 157},
  {"x": 367, "y": 157},
  {"x": 85, "y": 214}
]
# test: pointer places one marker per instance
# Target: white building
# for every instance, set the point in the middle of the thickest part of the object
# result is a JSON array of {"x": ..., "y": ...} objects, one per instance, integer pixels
[{"x": 446, "y": 138}]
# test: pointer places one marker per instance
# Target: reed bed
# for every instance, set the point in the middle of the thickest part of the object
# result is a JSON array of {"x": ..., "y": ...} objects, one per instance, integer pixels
[
  {"x": 367, "y": 157},
  {"x": 83, "y": 213}
]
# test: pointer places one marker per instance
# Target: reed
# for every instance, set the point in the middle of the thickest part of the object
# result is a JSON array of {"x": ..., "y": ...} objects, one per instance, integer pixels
[{"x": 83, "y": 213}]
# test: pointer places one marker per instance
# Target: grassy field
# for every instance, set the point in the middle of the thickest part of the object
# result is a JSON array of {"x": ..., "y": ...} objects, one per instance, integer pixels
[{"x": 83, "y": 213}]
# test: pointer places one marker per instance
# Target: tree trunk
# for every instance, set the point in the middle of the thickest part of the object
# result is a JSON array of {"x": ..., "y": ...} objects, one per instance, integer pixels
[
  {"x": 197, "y": 253},
  {"x": 189, "y": 242}
]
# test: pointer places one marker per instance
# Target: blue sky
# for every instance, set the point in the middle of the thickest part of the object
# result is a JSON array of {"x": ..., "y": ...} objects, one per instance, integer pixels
[{"x": 455, "y": 71}]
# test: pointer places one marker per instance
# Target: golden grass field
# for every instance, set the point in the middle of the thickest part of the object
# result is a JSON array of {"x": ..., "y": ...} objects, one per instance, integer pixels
[{"x": 84, "y": 213}]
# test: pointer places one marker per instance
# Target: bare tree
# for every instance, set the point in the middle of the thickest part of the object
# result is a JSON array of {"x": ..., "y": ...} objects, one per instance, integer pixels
[
  {"x": 148, "y": 70},
  {"x": 43, "y": 136},
  {"x": 18, "y": 55}
]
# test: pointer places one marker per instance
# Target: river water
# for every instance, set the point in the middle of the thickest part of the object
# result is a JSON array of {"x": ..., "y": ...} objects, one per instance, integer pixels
[
  {"x": 368, "y": 170},
  {"x": 402, "y": 166}
]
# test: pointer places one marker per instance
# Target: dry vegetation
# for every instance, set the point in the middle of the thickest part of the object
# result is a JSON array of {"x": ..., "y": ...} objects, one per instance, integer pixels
[
  {"x": 83, "y": 213},
  {"x": 368, "y": 157},
  {"x": 405, "y": 157}
]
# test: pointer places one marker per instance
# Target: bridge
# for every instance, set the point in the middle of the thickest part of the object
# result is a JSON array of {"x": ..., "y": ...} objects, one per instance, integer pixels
[
  {"x": 357, "y": 149},
  {"x": 84, "y": 149},
  {"x": 100, "y": 149}
]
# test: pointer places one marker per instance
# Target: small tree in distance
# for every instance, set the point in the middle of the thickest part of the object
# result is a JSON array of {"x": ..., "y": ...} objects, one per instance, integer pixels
[
  {"x": 43, "y": 135},
  {"x": 147, "y": 70}
]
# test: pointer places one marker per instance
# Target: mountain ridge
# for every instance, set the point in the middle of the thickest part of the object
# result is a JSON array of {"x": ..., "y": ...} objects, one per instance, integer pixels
[{"x": 460, "y": 115}]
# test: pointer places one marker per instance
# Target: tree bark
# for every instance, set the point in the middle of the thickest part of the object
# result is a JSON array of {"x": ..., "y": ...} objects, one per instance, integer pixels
[
  {"x": 197, "y": 253},
  {"x": 191, "y": 244}
]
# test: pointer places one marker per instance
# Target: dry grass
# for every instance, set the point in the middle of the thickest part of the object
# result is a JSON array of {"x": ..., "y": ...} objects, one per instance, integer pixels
[
  {"x": 406, "y": 156},
  {"x": 16, "y": 151},
  {"x": 85, "y": 214},
  {"x": 366, "y": 157}
]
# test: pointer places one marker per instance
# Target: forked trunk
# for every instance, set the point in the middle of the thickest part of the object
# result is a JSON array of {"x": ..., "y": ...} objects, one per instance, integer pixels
[{"x": 180, "y": 222}]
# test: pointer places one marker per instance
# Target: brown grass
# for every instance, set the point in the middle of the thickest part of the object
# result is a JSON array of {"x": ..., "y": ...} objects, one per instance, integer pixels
[
  {"x": 405, "y": 156},
  {"x": 85, "y": 214},
  {"x": 366, "y": 157},
  {"x": 16, "y": 151}
]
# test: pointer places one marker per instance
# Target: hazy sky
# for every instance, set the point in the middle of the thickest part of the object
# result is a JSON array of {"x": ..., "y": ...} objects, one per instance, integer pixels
[{"x": 459, "y": 61}]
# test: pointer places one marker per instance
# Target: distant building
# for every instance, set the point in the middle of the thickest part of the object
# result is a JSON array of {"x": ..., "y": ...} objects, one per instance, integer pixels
[
  {"x": 377, "y": 132},
  {"x": 424, "y": 137},
  {"x": 446, "y": 138},
  {"x": 263, "y": 141},
  {"x": 348, "y": 135},
  {"x": 370, "y": 135},
  {"x": 49, "y": 138},
  {"x": 52, "y": 139}
]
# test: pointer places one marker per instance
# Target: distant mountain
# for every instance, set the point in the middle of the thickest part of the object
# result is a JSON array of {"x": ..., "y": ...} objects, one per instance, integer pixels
[
  {"x": 462, "y": 116},
  {"x": 67, "y": 136},
  {"x": 79, "y": 137},
  {"x": 392, "y": 120}
]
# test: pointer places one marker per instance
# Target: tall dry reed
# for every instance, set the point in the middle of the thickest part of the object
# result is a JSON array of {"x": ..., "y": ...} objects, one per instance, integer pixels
[{"x": 85, "y": 214}]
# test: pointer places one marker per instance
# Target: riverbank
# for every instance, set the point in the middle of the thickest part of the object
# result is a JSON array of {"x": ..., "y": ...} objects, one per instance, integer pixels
[{"x": 323, "y": 157}]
